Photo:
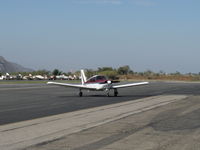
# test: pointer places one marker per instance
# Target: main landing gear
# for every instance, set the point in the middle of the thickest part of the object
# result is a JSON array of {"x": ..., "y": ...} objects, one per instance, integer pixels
[
  {"x": 115, "y": 92},
  {"x": 80, "y": 93}
]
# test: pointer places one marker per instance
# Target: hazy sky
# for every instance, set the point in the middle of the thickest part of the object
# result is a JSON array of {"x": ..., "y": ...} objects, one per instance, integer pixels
[{"x": 73, "y": 34}]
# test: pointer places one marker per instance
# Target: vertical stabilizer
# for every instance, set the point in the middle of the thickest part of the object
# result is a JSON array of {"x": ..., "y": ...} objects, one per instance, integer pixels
[{"x": 83, "y": 77}]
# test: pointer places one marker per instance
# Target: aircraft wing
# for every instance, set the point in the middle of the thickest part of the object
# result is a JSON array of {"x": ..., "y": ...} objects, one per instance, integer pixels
[
  {"x": 129, "y": 85},
  {"x": 80, "y": 86}
]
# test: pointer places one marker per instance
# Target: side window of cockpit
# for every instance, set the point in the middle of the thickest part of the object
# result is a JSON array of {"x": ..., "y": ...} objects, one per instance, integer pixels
[
  {"x": 92, "y": 80},
  {"x": 100, "y": 78}
]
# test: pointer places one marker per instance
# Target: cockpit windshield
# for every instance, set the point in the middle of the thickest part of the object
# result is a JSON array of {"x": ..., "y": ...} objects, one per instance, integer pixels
[{"x": 97, "y": 79}]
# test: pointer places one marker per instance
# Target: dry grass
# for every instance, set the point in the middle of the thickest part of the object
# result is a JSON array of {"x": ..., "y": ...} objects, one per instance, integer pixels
[{"x": 161, "y": 77}]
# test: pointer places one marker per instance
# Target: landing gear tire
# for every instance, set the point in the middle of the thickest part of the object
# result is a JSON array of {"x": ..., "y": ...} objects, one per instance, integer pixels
[
  {"x": 115, "y": 92},
  {"x": 107, "y": 92},
  {"x": 80, "y": 94}
]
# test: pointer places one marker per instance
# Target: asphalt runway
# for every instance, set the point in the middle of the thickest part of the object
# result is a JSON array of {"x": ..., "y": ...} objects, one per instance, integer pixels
[{"x": 19, "y": 102}]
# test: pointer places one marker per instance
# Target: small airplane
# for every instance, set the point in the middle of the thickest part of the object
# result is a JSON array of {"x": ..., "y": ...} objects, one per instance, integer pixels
[{"x": 97, "y": 83}]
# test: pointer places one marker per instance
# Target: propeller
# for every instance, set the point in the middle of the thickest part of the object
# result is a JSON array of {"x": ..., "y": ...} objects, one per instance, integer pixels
[
  {"x": 112, "y": 81},
  {"x": 109, "y": 82}
]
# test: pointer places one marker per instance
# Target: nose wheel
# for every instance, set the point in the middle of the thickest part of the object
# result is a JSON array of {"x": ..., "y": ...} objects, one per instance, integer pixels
[
  {"x": 115, "y": 93},
  {"x": 107, "y": 92}
]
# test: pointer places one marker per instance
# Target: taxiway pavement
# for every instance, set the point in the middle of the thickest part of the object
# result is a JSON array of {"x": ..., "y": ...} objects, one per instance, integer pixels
[
  {"x": 175, "y": 126},
  {"x": 28, "y": 101}
]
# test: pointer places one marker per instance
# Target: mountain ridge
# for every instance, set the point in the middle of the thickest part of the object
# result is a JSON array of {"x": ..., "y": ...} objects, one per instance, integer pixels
[{"x": 10, "y": 67}]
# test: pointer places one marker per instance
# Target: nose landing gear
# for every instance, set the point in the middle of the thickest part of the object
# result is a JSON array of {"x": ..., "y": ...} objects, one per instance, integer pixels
[
  {"x": 107, "y": 93},
  {"x": 115, "y": 93}
]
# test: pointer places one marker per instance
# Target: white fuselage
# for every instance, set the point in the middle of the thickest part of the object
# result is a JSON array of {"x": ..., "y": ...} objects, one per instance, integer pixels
[{"x": 97, "y": 86}]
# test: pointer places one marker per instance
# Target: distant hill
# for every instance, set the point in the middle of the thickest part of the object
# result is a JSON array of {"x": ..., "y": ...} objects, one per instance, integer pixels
[{"x": 9, "y": 67}]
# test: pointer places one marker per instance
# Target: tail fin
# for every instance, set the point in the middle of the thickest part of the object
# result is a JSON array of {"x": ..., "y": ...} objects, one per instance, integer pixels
[{"x": 83, "y": 77}]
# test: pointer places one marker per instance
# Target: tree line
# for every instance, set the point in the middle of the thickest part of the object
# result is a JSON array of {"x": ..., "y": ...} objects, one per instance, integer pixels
[{"x": 123, "y": 72}]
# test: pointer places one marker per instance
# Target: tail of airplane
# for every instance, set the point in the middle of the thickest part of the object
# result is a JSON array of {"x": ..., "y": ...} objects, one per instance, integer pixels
[{"x": 83, "y": 77}]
